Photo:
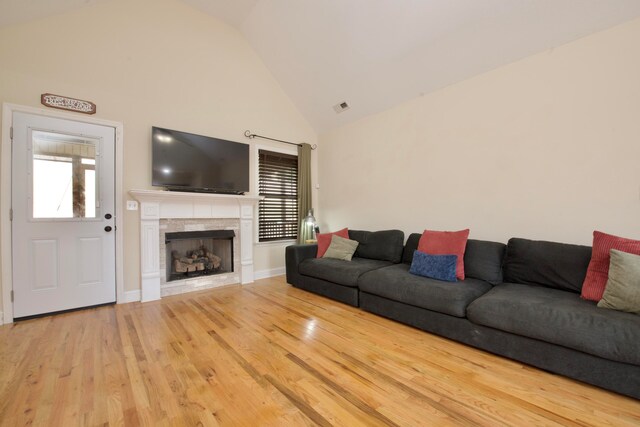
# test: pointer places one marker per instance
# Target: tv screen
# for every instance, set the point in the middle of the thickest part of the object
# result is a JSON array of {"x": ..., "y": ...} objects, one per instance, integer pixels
[{"x": 189, "y": 162}]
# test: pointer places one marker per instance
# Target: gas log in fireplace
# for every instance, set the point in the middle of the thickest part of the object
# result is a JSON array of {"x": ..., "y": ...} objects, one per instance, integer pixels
[{"x": 199, "y": 253}]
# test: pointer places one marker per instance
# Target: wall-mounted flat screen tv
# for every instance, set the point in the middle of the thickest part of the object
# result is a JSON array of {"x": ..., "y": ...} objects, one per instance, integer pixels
[{"x": 187, "y": 162}]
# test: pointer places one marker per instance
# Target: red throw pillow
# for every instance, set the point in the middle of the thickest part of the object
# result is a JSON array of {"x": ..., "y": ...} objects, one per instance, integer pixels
[
  {"x": 598, "y": 270},
  {"x": 446, "y": 243},
  {"x": 324, "y": 240}
]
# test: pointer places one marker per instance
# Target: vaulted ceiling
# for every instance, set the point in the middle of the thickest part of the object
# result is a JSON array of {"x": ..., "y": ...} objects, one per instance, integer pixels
[{"x": 374, "y": 54}]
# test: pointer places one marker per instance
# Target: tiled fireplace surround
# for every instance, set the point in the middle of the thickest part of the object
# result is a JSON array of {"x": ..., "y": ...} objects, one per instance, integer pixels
[
  {"x": 203, "y": 282},
  {"x": 169, "y": 211}
]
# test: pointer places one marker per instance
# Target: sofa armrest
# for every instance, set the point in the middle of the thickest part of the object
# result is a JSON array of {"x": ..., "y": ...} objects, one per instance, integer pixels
[{"x": 294, "y": 255}]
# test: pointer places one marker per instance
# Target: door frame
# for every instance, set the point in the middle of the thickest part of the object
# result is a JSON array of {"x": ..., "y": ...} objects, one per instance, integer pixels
[{"x": 6, "y": 255}]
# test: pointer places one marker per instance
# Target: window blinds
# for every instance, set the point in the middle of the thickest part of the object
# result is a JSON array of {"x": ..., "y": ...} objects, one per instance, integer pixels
[{"x": 278, "y": 183}]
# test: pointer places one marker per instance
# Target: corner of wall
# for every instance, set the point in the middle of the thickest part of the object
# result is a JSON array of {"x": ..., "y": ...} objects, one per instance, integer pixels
[
  {"x": 131, "y": 296},
  {"x": 265, "y": 274}
]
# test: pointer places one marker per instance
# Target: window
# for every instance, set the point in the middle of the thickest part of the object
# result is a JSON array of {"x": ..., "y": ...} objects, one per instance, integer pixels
[
  {"x": 278, "y": 183},
  {"x": 63, "y": 172}
]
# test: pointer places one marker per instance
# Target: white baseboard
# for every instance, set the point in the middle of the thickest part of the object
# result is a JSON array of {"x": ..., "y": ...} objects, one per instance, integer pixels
[
  {"x": 131, "y": 296},
  {"x": 265, "y": 274},
  {"x": 5, "y": 319}
]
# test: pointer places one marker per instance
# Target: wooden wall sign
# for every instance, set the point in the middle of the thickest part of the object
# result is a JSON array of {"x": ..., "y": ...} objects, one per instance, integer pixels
[{"x": 65, "y": 103}]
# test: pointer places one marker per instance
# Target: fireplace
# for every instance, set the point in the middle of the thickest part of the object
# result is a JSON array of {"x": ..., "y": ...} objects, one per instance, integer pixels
[
  {"x": 207, "y": 251},
  {"x": 163, "y": 212},
  {"x": 198, "y": 253}
]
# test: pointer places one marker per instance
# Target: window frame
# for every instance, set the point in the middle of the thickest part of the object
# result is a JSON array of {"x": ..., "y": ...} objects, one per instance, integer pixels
[
  {"x": 77, "y": 167},
  {"x": 293, "y": 151}
]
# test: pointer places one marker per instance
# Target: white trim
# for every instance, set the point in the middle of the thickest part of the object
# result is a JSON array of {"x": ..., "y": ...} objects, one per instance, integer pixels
[
  {"x": 286, "y": 242},
  {"x": 265, "y": 274},
  {"x": 156, "y": 205},
  {"x": 5, "y": 199},
  {"x": 131, "y": 296},
  {"x": 120, "y": 295},
  {"x": 181, "y": 197},
  {"x": 5, "y": 223}
]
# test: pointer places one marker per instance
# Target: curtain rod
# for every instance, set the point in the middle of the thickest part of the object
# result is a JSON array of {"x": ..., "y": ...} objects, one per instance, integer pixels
[{"x": 250, "y": 135}]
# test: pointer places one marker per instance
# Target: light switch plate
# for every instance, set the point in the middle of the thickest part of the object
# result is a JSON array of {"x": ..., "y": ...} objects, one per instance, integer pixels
[{"x": 132, "y": 205}]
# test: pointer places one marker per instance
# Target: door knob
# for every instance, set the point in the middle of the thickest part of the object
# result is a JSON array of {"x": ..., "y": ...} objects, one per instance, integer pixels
[
  {"x": 108, "y": 228},
  {"x": 107, "y": 216}
]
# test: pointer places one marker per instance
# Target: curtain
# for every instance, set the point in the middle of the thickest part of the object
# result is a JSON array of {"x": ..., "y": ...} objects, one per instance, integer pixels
[{"x": 304, "y": 190}]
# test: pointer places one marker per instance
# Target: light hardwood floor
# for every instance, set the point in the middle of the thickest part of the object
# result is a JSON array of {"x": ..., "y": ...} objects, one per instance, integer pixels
[{"x": 270, "y": 354}]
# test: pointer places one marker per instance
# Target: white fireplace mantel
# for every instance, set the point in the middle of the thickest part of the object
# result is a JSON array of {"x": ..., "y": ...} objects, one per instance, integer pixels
[{"x": 156, "y": 205}]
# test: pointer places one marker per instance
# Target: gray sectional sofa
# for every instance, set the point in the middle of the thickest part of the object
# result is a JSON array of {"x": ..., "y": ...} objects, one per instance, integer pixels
[{"x": 520, "y": 300}]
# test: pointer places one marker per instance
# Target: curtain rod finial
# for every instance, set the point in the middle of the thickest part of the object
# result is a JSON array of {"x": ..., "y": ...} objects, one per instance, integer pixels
[{"x": 248, "y": 134}]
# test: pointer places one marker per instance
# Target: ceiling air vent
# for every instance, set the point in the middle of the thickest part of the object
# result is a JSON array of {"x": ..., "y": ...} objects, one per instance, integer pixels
[{"x": 339, "y": 108}]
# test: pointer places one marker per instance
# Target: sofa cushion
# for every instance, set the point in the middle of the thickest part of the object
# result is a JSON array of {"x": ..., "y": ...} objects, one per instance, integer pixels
[
  {"x": 385, "y": 245},
  {"x": 446, "y": 243},
  {"x": 559, "y": 317},
  {"x": 397, "y": 284},
  {"x": 483, "y": 260},
  {"x": 341, "y": 248},
  {"x": 345, "y": 273},
  {"x": 555, "y": 265},
  {"x": 439, "y": 267},
  {"x": 324, "y": 240},
  {"x": 410, "y": 247},
  {"x": 623, "y": 287},
  {"x": 598, "y": 271}
]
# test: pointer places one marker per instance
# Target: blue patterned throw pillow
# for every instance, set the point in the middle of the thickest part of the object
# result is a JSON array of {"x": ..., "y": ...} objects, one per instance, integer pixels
[{"x": 440, "y": 267}]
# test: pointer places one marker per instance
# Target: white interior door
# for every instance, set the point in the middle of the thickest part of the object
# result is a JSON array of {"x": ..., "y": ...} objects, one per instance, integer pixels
[{"x": 63, "y": 227}]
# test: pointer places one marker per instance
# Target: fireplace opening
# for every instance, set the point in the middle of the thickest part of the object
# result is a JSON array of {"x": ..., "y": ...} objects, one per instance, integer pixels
[{"x": 199, "y": 253}]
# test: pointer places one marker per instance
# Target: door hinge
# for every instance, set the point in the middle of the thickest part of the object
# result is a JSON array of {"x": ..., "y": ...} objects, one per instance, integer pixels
[
  {"x": 12, "y": 296},
  {"x": 11, "y": 133},
  {"x": 11, "y": 214}
]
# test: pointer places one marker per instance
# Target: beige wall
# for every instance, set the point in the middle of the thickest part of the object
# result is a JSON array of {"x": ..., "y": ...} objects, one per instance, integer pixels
[
  {"x": 144, "y": 63},
  {"x": 544, "y": 148}
]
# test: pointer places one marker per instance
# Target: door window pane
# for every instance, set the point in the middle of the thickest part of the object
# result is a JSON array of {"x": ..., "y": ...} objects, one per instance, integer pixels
[
  {"x": 52, "y": 188},
  {"x": 90, "y": 196},
  {"x": 64, "y": 176}
]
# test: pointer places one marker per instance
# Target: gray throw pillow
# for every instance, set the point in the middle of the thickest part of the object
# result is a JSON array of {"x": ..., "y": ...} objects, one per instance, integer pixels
[
  {"x": 623, "y": 287},
  {"x": 341, "y": 248}
]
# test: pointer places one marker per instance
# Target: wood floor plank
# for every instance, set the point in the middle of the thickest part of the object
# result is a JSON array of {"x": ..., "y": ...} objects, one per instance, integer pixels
[
  {"x": 270, "y": 354},
  {"x": 452, "y": 415},
  {"x": 374, "y": 396},
  {"x": 456, "y": 363}
]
